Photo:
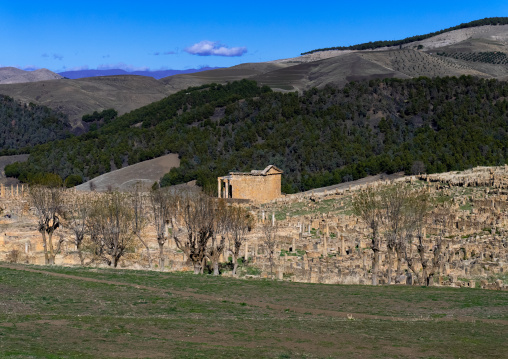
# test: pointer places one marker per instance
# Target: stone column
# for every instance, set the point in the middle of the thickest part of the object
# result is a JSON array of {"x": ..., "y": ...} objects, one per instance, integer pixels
[
  {"x": 2, "y": 191},
  {"x": 219, "y": 187},
  {"x": 293, "y": 247},
  {"x": 273, "y": 219},
  {"x": 246, "y": 250},
  {"x": 342, "y": 245}
]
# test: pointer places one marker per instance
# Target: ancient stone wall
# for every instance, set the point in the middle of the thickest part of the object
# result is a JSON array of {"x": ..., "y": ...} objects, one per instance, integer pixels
[{"x": 257, "y": 188}]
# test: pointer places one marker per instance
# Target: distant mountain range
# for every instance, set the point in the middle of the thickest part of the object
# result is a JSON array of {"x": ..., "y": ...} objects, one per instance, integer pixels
[
  {"x": 13, "y": 75},
  {"x": 112, "y": 72}
]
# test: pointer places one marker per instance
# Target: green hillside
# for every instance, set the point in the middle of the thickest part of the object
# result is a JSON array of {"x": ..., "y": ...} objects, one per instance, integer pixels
[
  {"x": 382, "y": 43},
  {"x": 319, "y": 138},
  {"x": 24, "y": 125}
]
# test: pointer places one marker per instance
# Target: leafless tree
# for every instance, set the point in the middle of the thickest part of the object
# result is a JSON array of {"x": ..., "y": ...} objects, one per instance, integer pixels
[
  {"x": 367, "y": 205},
  {"x": 418, "y": 210},
  {"x": 78, "y": 210},
  {"x": 111, "y": 227},
  {"x": 194, "y": 227},
  {"x": 162, "y": 203},
  {"x": 140, "y": 219},
  {"x": 47, "y": 201},
  {"x": 239, "y": 223},
  {"x": 395, "y": 201},
  {"x": 270, "y": 232}
]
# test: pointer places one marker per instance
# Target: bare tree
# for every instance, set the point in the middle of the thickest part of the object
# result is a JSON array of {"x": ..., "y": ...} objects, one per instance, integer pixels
[
  {"x": 111, "y": 227},
  {"x": 394, "y": 203},
  {"x": 47, "y": 201},
  {"x": 240, "y": 222},
  {"x": 78, "y": 209},
  {"x": 194, "y": 227},
  {"x": 367, "y": 206},
  {"x": 270, "y": 232},
  {"x": 162, "y": 205},
  {"x": 418, "y": 210},
  {"x": 140, "y": 220}
]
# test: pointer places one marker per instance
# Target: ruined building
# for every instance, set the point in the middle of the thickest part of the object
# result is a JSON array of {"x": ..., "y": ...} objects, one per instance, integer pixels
[{"x": 257, "y": 185}]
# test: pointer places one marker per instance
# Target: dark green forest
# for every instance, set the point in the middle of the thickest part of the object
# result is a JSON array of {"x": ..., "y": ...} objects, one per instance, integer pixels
[
  {"x": 319, "y": 138},
  {"x": 22, "y": 126},
  {"x": 382, "y": 43}
]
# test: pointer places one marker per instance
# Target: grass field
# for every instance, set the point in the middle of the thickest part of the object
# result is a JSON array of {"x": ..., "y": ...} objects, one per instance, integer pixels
[{"x": 56, "y": 312}]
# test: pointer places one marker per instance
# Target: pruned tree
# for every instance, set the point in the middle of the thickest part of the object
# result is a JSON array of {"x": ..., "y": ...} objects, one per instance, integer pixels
[
  {"x": 367, "y": 205},
  {"x": 419, "y": 207},
  {"x": 48, "y": 204},
  {"x": 194, "y": 227},
  {"x": 140, "y": 219},
  {"x": 239, "y": 223},
  {"x": 78, "y": 210},
  {"x": 111, "y": 230},
  {"x": 270, "y": 233},
  {"x": 395, "y": 202},
  {"x": 162, "y": 203}
]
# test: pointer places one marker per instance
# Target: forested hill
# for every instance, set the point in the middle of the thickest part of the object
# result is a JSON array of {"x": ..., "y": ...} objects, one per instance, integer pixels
[
  {"x": 27, "y": 125},
  {"x": 382, "y": 43},
  {"x": 319, "y": 138}
]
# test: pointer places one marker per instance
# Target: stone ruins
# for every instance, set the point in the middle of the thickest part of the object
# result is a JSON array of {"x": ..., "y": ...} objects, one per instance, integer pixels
[
  {"x": 319, "y": 240},
  {"x": 257, "y": 185}
]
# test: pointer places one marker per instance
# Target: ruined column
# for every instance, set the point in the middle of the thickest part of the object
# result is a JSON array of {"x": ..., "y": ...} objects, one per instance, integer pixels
[
  {"x": 2, "y": 191},
  {"x": 342, "y": 245},
  {"x": 219, "y": 187},
  {"x": 325, "y": 246},
  {"x": 273, "y": 218},
  {"x": 246, "y": 255},
  {"x": 293, "y": 247}
]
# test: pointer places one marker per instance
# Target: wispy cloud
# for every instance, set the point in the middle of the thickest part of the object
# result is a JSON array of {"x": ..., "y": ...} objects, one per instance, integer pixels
[
  {"x": 165, "y": 53},
  {"x": 214, "y": 48},
  {"x": 55, "y": 56},
  {"x": 105, "y": 56}
]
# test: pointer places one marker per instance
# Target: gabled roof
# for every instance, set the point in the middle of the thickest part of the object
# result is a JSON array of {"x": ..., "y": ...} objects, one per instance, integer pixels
[{"x": 265, "y": 172}]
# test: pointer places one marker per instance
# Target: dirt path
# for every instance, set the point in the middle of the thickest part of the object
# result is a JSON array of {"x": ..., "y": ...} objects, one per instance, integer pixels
[{"x": 259, "y": 304}]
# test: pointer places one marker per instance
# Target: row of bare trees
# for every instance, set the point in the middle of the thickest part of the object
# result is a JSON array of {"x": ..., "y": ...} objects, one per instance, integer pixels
[
  {"x": 398, "y": 215},
  {"x": 110, "y": 224}
]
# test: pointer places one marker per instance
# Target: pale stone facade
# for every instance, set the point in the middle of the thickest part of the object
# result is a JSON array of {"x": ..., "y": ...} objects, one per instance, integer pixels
[{"x": 258, "y": 186}]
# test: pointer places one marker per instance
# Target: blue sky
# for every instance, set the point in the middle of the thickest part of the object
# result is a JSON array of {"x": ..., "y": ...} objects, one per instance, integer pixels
[{"x": 66, "y": 35}]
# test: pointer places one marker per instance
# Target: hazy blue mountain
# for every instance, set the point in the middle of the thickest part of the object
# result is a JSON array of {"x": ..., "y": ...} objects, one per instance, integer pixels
[{"x": 111, "y": 72}]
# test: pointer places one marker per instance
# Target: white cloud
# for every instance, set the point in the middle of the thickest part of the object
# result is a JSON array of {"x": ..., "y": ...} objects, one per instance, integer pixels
[
  {"x": 214, "y": 48},
  {"x": 77, "y": 68}
]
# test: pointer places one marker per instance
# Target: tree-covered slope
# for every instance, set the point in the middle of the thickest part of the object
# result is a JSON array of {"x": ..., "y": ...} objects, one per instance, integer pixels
[
  {"x": 319, "y": 138},
  {"x": 407, "y": 40},
  {"x": 27, "y": 125}
]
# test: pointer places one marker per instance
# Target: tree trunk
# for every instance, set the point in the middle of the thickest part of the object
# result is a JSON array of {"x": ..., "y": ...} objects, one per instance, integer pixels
[
  {"x": 80, "y": 254},
  {"x": 45, "y": 246},
  {"x": 216, "y": 267},
  {"x": 235, "y": 263},
  {"x": 161, "y": 256},
  {"x": 375, "y": 267},
  {"x": 147, "y": 251},
  {"x": 51, "y": 250},
  {"x": 197, "y": 267},
  {"x": 399, "y": 267},
  {"x": 389, "y": 258}
]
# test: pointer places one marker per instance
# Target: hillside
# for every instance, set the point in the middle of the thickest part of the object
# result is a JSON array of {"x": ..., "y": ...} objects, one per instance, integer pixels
[
  {"x": 467, "y": 49},
  {"x": 76, "y": 98},
  {"x": 494, "y": 21},
  {"x": 24, "y": 126},
  {"x": 319, "y": 138},
  {"x": 13, "y": 75}
]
